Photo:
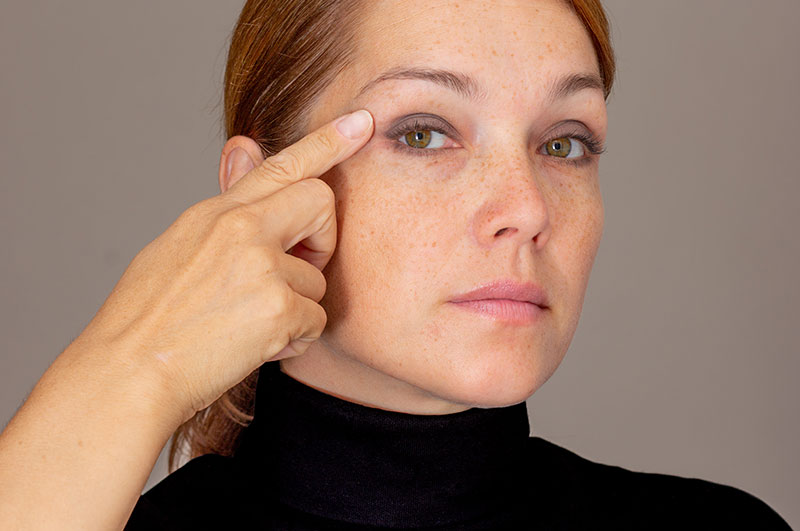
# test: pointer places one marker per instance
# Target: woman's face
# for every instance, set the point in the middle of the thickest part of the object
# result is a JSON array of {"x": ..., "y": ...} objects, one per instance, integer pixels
[{"x": 478, "y": 191}]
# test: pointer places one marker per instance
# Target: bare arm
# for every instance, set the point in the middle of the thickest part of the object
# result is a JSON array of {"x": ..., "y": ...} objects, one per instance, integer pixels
[
  {"x": 197, "y": 310},
  {"x": 79, "y": 451}
]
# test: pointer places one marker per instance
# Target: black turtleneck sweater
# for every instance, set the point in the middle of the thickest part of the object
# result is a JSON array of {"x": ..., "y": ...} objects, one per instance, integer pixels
[{"x": 310, "y": 460}]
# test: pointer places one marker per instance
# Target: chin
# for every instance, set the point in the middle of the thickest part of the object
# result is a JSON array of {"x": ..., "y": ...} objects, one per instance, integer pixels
[{"x": 499, "y": 384}]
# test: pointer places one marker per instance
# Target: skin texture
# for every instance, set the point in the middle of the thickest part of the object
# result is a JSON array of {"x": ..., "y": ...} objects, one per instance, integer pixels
[{"x": 415, "y": 231}]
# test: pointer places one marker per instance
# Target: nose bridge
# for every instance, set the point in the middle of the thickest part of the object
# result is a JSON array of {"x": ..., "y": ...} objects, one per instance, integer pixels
[{"x": 514, "y": 204}]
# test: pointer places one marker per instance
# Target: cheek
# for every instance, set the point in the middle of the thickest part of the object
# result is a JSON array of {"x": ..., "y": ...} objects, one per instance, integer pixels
[
  {"x": 389, "y": 228},
  {"x": 396, "y": 208},
  {"x": 578, "y": 226},
  {"x": 594, "y": 219},
  {"x": 405, "y": 234},
  {"x": 590, "y": 237}
]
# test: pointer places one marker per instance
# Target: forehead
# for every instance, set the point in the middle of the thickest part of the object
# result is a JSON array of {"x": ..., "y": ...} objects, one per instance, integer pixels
[{"x": 503, "y": 44}]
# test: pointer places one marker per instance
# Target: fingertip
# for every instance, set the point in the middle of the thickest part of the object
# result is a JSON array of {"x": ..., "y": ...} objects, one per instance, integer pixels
[{"x": 355, "y": 125}]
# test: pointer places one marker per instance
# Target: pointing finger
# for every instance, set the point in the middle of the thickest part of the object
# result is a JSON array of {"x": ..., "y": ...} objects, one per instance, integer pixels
[{"x": 309, "y": 157}]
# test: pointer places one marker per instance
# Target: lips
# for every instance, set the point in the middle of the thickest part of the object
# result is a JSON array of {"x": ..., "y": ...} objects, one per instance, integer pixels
[{"x": 506, "y": 289}]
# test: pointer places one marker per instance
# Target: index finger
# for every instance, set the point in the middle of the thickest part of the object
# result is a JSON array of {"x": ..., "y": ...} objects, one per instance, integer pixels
[{"x": 309, "y": 157}]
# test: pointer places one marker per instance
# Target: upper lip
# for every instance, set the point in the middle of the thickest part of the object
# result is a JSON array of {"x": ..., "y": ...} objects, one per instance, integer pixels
[{"x": 506, "y": 289}]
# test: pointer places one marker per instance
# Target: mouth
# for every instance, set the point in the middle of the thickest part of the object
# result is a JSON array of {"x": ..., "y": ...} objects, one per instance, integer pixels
[
  {"x": 506, "y": 290},
  {"x": 505, "y": 300},
  {"x": 505, "y": 310}
]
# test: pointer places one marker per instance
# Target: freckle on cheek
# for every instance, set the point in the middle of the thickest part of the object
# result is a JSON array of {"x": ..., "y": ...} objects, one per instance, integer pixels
[{"x": 434, "y": 332}]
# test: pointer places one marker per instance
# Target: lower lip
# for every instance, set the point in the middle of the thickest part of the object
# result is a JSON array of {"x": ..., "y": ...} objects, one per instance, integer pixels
[{"x": 506, "y": 310}]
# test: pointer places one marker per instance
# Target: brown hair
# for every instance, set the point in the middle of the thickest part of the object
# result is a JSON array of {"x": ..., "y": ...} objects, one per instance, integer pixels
[{"x": 283, "y": 54}]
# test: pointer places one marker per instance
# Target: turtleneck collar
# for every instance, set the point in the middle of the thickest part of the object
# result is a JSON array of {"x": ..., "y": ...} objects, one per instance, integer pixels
[{"x": 345, "y": 461}]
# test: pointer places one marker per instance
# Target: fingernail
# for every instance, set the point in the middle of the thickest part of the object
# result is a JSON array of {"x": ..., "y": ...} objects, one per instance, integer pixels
[
  {"x": 355, "y": 124},
  {"x": 238, "y": 158}
]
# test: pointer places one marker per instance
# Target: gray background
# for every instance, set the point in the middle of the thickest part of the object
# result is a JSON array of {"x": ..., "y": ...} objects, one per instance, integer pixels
[{"x": 686, "y": 358}]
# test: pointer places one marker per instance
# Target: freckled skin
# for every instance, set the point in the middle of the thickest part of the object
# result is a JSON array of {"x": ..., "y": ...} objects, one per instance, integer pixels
[{"x": 415, "y": 231}]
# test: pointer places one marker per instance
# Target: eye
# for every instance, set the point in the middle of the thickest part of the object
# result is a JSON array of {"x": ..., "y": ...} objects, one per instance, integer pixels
[
  {"x": 574, "y": 148},
  {"x": 423, "y": 135},
  {"x": 423, "y": 138},
  {"x": 565, "y": 148}
]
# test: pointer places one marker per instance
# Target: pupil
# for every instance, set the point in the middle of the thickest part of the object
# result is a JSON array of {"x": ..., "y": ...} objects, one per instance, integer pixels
[
  {"x": 557, "y": 146},
  {"x": 418, "y": 136}
]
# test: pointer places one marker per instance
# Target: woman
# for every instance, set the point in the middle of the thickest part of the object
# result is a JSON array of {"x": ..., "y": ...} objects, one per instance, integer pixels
[{"x": 465, "y": 214}]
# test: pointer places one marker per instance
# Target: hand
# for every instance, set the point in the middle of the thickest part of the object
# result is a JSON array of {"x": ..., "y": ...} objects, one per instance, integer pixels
[{"x": 217, "y": 295}]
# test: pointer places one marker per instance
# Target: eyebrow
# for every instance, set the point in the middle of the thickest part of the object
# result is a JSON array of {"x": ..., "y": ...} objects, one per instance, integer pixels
[{"x": 469, "y": 88}]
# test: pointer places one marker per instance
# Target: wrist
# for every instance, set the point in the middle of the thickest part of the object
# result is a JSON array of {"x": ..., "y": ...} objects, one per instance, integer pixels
[
  {"x": 123, "y": 377},
  {"x": 81, "y": 447}
]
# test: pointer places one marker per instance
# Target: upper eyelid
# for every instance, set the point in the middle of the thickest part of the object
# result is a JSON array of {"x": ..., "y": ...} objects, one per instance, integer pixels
[{"x": 430, "y": 122}]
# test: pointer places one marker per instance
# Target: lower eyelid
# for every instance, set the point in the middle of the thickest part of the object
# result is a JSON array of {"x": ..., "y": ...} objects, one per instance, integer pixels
[{"x": 405, "y": 149}]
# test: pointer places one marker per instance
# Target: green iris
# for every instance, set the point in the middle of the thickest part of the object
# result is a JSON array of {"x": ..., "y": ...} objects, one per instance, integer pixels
[
  {"x": 559, "y": 147},
  {"x": 418, "y": 139}
]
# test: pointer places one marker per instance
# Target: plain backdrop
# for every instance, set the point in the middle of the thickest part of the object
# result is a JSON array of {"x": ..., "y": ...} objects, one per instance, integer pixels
[{"x": 686, "y": 358}]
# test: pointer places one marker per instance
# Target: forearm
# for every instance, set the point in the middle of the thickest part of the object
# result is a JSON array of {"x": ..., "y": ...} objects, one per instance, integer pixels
[{"x": 79, "y": 451}]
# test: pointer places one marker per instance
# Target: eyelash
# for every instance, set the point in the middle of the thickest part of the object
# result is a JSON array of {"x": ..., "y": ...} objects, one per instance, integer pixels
[{"x": 592, "y": 144}]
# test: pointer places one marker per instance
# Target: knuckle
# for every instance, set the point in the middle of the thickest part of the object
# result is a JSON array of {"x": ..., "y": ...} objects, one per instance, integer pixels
[
  {"x": 286, "y": 165},
  {"x": 269, "y": 260},
  {"x": 319, "y": 189},
  {"x": 190, "y": 215},
  {"x": 196, "y": 215},
  {"x": 322, "y": 145},
  {"x": 235, "y": 220},
  {"x": 323, "y": 319},
  {"x": 208, "y": 205},
  {"x": 278, "y": 301},
  {"x": 320, "y": 322},
  {"x": 320, "y": 284},
  {"x": 257, "y": 262}
]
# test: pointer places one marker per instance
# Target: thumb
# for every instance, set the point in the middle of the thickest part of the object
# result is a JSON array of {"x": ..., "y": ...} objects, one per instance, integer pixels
[{"x": 238, "y": 164}]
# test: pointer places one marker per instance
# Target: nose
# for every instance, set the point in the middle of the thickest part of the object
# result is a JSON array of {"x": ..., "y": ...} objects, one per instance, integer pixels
[{"x": 513, "y": 206}]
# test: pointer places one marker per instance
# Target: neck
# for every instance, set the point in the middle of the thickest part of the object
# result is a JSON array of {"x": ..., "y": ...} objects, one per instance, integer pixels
[{"x": 344, "y": 460}]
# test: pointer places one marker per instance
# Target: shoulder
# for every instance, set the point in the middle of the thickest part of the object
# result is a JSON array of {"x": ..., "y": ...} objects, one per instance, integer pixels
[
  {"x": 626, "y": 499},
  {"x": 192, "y": 497}
]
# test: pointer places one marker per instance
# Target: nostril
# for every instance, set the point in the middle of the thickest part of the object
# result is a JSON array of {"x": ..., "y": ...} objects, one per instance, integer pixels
[{"x": 501, "y": 231}]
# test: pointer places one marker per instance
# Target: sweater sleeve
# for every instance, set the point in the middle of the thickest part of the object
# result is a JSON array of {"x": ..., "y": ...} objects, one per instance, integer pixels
[{"x": 195, "y": 496}]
